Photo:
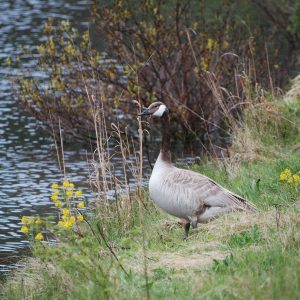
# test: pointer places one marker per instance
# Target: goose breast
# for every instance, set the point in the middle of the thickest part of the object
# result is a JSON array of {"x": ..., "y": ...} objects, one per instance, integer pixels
[{"x": 172, "y": 192}]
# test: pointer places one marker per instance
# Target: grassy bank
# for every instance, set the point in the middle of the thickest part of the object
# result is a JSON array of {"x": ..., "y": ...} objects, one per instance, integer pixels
[{"x": 238, "y": 256}]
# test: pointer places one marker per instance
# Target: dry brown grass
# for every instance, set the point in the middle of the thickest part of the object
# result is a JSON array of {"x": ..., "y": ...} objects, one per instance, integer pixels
[{"x": 294, "y": 92}]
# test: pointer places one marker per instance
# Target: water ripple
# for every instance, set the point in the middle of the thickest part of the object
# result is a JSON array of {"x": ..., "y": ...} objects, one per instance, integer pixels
[{"x": 28, "y": 161}]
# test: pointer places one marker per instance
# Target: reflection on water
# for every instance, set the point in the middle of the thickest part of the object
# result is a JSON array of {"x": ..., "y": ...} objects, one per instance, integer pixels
[{"x": 28, "y": 162}]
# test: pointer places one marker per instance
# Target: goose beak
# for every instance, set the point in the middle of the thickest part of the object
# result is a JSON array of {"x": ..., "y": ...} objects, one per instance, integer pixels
[{"x": 145, "y": 112}]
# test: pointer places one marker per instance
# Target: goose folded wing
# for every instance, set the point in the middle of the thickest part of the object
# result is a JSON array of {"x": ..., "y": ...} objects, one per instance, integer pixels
[{"x": 207, "y": 191}]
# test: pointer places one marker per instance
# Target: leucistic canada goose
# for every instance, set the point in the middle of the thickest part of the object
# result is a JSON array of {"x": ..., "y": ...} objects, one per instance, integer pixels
[{"x": 183, "y": 193}]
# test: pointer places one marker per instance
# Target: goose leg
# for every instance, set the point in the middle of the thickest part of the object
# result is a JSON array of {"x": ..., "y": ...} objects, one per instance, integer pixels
[
  {"x": 194, "y": 221},
  {"x": 186, "y": 230}
]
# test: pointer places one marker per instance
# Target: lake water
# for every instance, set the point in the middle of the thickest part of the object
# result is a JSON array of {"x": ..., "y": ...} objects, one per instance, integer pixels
[{"x": 28, "y": 162}]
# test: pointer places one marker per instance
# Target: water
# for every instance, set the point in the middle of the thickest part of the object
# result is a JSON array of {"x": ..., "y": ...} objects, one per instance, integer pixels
[{"x": 28, "y": 163}]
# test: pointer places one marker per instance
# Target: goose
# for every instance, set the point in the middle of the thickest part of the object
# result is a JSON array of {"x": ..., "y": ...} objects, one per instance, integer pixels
[{"x": 182, "y": 193}]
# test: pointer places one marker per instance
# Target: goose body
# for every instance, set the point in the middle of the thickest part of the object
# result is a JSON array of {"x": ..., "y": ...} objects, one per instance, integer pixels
[
  {"x": 183, "y": 193},
  {"x": 189, "y": 195}
]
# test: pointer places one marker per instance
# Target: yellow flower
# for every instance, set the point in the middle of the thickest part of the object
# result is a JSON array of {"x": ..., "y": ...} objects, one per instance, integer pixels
[
  {"x": 24, "y": 229},
  {"x": 80, "y": 205},
  {"x": 54, "y": 197},
  {"x": 296, "y": 178},
  {"x": 60, "y": 223},
  {"x": 288, "y": 172},
  {"x": 54, "y": 186},
  {"x": 39, "y": 236},
  {"x": 80, "y": 218},
  {"x": 58, "y": 203},
  {"x": 72, "y": 220},
  {"x": 24, "y": 220},
  {"x": 66, "y": 183},
  {"x": 285, "y": 175},
  {"x": 69, "y": 194},
  {"x": 30, "y": 221},
  {"x": 71, "y": 185},
  {"x": 78, "y": 193},
  {"x": 38, "y": 221},
  {"x": 282, "y": 176},
  {"x": 210, "y": 44},
  {"x": 55, "y": 192},
  {"x": 67, "y": 224},
  {"x": 66, "y": 212}
]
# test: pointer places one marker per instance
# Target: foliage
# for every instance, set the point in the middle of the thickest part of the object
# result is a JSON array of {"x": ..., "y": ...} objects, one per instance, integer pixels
[
  {"x": 223, "y": 265},
  {"x": 245, "y": 238},
  {"x": 67, "y": 61},
  {"x": 205, "y": 60}
]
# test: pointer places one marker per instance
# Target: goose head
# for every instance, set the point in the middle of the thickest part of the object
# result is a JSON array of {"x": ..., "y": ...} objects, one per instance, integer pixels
[{"x": 155, "y": 109}]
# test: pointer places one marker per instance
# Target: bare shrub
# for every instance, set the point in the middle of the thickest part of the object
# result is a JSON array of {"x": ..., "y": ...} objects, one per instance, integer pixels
[{"x": 176, "y": 52}]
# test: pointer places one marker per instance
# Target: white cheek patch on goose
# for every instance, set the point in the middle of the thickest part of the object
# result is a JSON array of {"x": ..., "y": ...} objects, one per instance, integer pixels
[{"x": 160, "y": 111}]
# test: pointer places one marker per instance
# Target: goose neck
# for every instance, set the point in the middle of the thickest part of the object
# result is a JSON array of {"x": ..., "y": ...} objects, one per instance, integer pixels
[{"x": 165, "y": 148}]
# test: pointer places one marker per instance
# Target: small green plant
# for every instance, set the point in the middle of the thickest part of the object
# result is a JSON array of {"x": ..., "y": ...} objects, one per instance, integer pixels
[
  {"x": 252, "y": 236},
  {"x": 223, "y": 265},
  {"x": 160, "y": 273}
]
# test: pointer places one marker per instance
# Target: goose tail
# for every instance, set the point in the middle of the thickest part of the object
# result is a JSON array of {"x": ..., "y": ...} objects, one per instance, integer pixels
[{"x": 242, "y": 203}]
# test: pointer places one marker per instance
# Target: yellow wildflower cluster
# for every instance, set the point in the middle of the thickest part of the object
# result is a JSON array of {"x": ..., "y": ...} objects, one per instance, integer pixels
[
  {"x": 64, "y": 197},
  {"x": 30, "y": 225},
  {"x": 62, "y": 194},
  {"x": 68, "y": 220},
  {"x": 68, "y": 200},
  {"x": 292, "y": 179},
  {"x": 31, "y": 220}
]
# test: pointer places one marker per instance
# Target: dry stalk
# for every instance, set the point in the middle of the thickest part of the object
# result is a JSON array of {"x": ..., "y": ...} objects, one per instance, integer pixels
[
  {"x": 55, "y": 142},
  {"x": 141, "y": 208},
  {"x": 124, "y": 152},
  {"x": 62, "y": 149}
]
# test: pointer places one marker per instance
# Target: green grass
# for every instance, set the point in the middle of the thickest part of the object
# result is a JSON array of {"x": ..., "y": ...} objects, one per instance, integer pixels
[{"x": 238, "y": 256}]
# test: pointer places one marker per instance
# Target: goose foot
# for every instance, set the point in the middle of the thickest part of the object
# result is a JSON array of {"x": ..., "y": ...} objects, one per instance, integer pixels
[{"x": 186, "y": 230}]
